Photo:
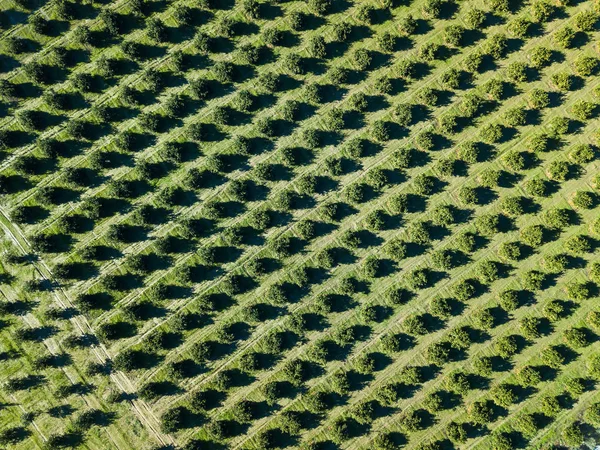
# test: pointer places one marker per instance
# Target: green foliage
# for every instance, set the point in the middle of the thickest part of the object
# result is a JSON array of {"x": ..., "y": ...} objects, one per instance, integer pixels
[
  {"x": 527, "y": 424},
  {"x": 592, "y": 414},
  {"x": 419, "y": 233},
  {"x": 530, "y": 326},
  {"x": 488, "y": 271},
  {"x": 453, "y": 35},
  {"x": 411, "y": 421},
  {"x": 474, "y": 18},
  {"x": 397, "y": 296},
  {"x": 443, "y": 215},
  {"x": 418, "y": 279},
  {"x": 501, "y": 441},
  {"x": 428, "y": 96},
  {"x": 558, "y": 218},
  {"x": 553, "y": 357},
  {"x": 507, "y": 346},
  {"x": 484, "y": 319},
  {"x": 542, "y": 11},
  {"x": 519, "y": 27},
  {"x": 380, "y": 131},
  {"x": 550, "y": 406},
  {"x": 395, "y": 249},
  {"x": 582, "y": 154},
  {"x": 428, "y": 51},
  {"x": 510, "y": 251},
  {"x": 538, "y": 98},
  {"x": 443, "y": 259},
  {"x": 491, "y": 133},
  {"x": 480, "y": 412},
  {"x": 586, "y": 66},
  {"x": 540, "y": 56},
  {"x": 496, "y": 45},
  {"x": 384, "y": 441},
  {"x": 513, "y": 206},
  {"x": 464, "y": 290},
  {"x": 362, "y": 59},
  {"x": 579, "y": 291},
  {"x": 424, "y": 184},
  {"x": 468, "y": 195},
  {"x": 440, "y": 307},
  {"x": 564, "y": 37},
  {"x": 556, "y": 263},
  {"x": 517, "y": 72},
  {"x": 536, "y": 187},
  {"x": 578, "y": 244},
  {"x": 586, "y": 20},
  {"x": 321, "y": 7},
  {"x": 529, "y": 376},
  {"x": 583, "y": 200},
  {"x": 451, "y": 79},
  {"x": 457, "y": 432},
  {"x": 563, "y": 81},
  {"x": 583, "y": 110},
  {"x": 515, "y": 117},
  {"x": 573, "y": 435},
  {"x": 438, "y": 353},
  {"x": 577, "y": 337},
  {"x": 403, "y": 114},
  {"x": 386, "y": 42},
  {"x": 533, "y": 280},
  {"x": 594, "y": 271},
  {"x": 487, "y": 224},
  {"x": 415, "y": 324},
  {"x": 533, "y": 235},
  {"x": 509, "y": 300}
]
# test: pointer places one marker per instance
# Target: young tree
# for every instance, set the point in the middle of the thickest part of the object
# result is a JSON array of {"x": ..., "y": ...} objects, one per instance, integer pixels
[
  {"x": 519, "y": 27},
  {"x": 363, "y": 59},
  {"x": 539, "y": 143},
  {"x": 320, "y": 7},
  {"x": 558, "y": 170},
  {"x": 480, "y": 412},
  {"x": 586, "y": 65},
  {"x": 156, "y": 30},
  {"x": 586, "y": 20},
  {"x": 510, "y": 251},
  {"x": 583, "y": 110},
  {"x": 582, "y": 154},
  {"x": 457, "y": 432},
  {"x": 583, "y": 199},
  {"x": 491, "y": 133},
  {"x": 577, "y": 337},
  {"x": 316, "y": 47},
  {"x": 386, "y": 42},
  {"x": 542, "y": 11},
  {"x": 573, "y": 435},
  {"x": 540, "y": 57},
  {"x": 517, "y": 72},
  {"x": 579, "y": 244},
  {"x": 563, "y": 81},
  {"x": 507, "y": 346},
  {"x": 553, "y": 357},
  {"x": 564, "y": 37},
  {"x": 592, "y": 414},
  {"x": 538, "y": 98},
  {"x": 537, "y": 187}
]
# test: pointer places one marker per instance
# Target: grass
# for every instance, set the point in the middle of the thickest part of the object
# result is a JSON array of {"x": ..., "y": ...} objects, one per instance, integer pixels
[{"x": 137, "y": 432}]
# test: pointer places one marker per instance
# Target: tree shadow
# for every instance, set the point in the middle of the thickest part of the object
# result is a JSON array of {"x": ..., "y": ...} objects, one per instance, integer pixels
[
  {"x": 54, "y": 361},
  {"x": 37, "y": 334}
]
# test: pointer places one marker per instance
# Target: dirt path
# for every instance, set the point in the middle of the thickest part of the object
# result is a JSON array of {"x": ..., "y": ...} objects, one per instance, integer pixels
[{"x": 140, "y": 408}]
